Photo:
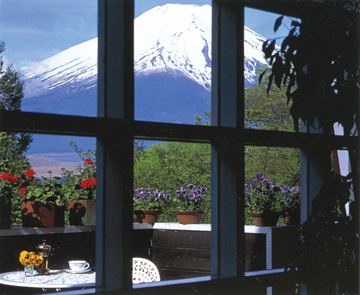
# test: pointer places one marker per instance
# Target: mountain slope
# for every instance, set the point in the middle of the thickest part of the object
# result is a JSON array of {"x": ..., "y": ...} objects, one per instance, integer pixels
[{"x": 172, "y": 63}]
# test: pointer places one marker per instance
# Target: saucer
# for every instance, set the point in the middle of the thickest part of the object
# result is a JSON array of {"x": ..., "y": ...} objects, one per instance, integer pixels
[{"x": 77, "y": 271}]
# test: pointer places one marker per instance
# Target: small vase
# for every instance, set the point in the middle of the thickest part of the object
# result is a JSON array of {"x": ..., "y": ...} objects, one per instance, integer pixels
[
  {"x": 29, "y": 270},
  {"x": 188, "y": 217}
]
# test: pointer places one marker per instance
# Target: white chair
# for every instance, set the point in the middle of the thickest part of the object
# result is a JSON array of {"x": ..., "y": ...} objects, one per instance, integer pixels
[{"x": 144, "y": 271}]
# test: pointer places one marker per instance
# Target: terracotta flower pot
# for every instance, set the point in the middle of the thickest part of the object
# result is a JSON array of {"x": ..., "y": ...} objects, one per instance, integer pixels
[
  {"x": 147, "y": 216},
  {"x": 188, "y": 217},
  {"x": 82, "y": 212},
  {"x": 36, "y": 214},
  {"x": 265, "y": 219}
]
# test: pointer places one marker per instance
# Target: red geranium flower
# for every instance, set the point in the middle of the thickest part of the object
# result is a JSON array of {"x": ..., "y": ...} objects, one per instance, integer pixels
[
  {"x": 88, "y": 162},
  {"x": 4, "y": 176},
  {"x": 13, "y": 178},
  {"x": 30, "y": 173},
  {"x": 88, "y": 182},
  {"x": 22, "y": 190}
]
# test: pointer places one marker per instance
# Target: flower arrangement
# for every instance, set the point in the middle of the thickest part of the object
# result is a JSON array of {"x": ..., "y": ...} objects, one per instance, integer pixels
[
  {"x": 290, "y": 198},
  {"x": 30, "y": 258},
  {"x": 262, "y": 196},
  {"x": 7, "y": 184},
  {"x": 146, "y": 199},
  {"x": 82, "y": 183},
  {"x": 41, "y": 190},
  {"x": 190, "y": 198}
]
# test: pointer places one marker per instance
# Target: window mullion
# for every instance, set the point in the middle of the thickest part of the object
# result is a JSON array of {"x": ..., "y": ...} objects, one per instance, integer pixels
[
  {"x": 115, "y": 145},
  {"x": 227, "y": 247}
]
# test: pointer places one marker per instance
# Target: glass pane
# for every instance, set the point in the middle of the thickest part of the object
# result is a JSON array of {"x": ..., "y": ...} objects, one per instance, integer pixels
[
  {"x": 172, "y": 61},
  {"x": 272, "y": 200},
  {"x": 53, "y": 46},
  {"x": 264, "y": 109},
  {"x": 48, "y": 193},
  {"x": 171, "y": 177}
]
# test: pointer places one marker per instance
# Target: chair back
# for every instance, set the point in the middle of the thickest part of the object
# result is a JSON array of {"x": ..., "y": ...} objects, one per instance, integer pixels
[{"x": 144, "y": 271}]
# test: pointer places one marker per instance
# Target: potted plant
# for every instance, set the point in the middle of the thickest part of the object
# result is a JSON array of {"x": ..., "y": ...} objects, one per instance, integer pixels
[
  {"x": 148, "y": 204},
  {"x": 265, "y": 202},
  {"x": 79, "y": 188},
  {"x": 290, "y": 205},
  {"x": 189, "y": 203},
  {"x": 42, "y": 201},
  {"x": 8, "y": 183}
]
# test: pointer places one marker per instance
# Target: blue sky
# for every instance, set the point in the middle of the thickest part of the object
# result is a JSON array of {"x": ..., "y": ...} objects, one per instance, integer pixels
[{"x": 37, "y": 29}]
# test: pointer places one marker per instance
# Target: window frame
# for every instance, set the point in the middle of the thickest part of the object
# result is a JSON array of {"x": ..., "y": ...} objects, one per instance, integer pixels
[{"x": 116, "y": 129}]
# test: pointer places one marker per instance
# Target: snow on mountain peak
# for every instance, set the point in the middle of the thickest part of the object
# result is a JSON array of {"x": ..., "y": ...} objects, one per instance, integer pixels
[{"x": 173, "y": 39}]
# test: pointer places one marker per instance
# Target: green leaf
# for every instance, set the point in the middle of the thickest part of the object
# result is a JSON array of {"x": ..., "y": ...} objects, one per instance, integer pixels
[
  {"x": 278, "y": 23},
  {"x": 269, "y": 85},
  {"x": 269, "y": 50},
  {"x": 262, "y": 75}
]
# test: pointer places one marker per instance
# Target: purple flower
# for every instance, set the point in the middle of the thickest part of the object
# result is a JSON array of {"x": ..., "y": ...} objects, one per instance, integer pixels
[
  {"x": 285, "y": 189},
  {"x": 197, "y": 192},
  {"x": 144, "y": 190},
  {"x": 148, "y": 195},
  {"x": 204, "y": 196},
  {"x": 295, "y": 189},
  {"x": 266, "y": 182},
  {"x": 247, "y": 186},
  {"x": 289, "y": 200},
  {"x": 190, "y": 186},
  {"x": 162, "y": 195},
  {"x": 203, "y": 190},
  {"x": 247, "y": 195},
  {"x": 141, "y": 195},
  {"x": 255, "y": 183},
  {"x": 266, "y": 192},
  {"x": 184, "y": 192},
  {"x": 191, "y": 196},
  {"x": 177, "y": 192},
  {"x": 137, "y": 191},
  {"x": 259, "y": 176},
  {"x": 148, "y": 190}
]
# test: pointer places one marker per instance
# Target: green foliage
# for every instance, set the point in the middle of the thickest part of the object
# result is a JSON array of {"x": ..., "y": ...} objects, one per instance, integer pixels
[
  {"x": 206, "y": 120},
  {"x": 12, "y": 146},
  {"x": 190, "y": 198},
  {"x": 263, "y": 196},
  {"x": 82, "y": 183},
  {"x": 316, "y": 65},
  {"x": 146, "y": 199},
  {"x": 169, "y": 165},
  {"x": 45, "y": 190},
  {"x": 267, "y": 112}
]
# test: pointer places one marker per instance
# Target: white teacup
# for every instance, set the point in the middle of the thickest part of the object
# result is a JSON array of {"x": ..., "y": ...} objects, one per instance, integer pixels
[{"x": 78, "y": 265}]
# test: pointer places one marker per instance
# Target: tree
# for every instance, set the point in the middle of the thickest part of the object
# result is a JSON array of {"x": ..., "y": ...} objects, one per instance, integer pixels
[
  {"x": 270, "y": 111},
  {"x": 12, "y": 145},
  {"x": 170, "y": 165},
  {"x": 267, "y": 111}
]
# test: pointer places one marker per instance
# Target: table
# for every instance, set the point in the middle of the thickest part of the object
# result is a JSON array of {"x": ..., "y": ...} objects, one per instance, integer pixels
[{"x": 57, "y": 279}]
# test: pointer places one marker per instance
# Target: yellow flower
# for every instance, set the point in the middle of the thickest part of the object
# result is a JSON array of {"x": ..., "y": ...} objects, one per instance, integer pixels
[{"x": 28, "y": 259}]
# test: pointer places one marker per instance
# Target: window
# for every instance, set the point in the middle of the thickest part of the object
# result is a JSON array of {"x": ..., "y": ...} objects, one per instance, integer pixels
[{"x": 116, "y": 129}]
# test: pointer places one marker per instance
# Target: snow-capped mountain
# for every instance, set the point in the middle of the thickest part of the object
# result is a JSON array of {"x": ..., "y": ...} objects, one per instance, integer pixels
[
  {"x": 172, "y": 39},
  {"x": 172, "y": 62}
]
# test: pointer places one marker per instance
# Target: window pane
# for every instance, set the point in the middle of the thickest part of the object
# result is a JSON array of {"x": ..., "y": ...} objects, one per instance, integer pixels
[
  {"x": 171, "y": 176},
  {"x": 272, "y": 188},
  {"x": 53, "y": 45},
  {"x": 172, "y": 61},
  {"x": 50, "y": 186},
  {"x": 265, "y": 108}
]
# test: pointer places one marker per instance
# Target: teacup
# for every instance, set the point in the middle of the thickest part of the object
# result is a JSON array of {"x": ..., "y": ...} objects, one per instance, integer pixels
[{"x": 78, "y": 265}]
